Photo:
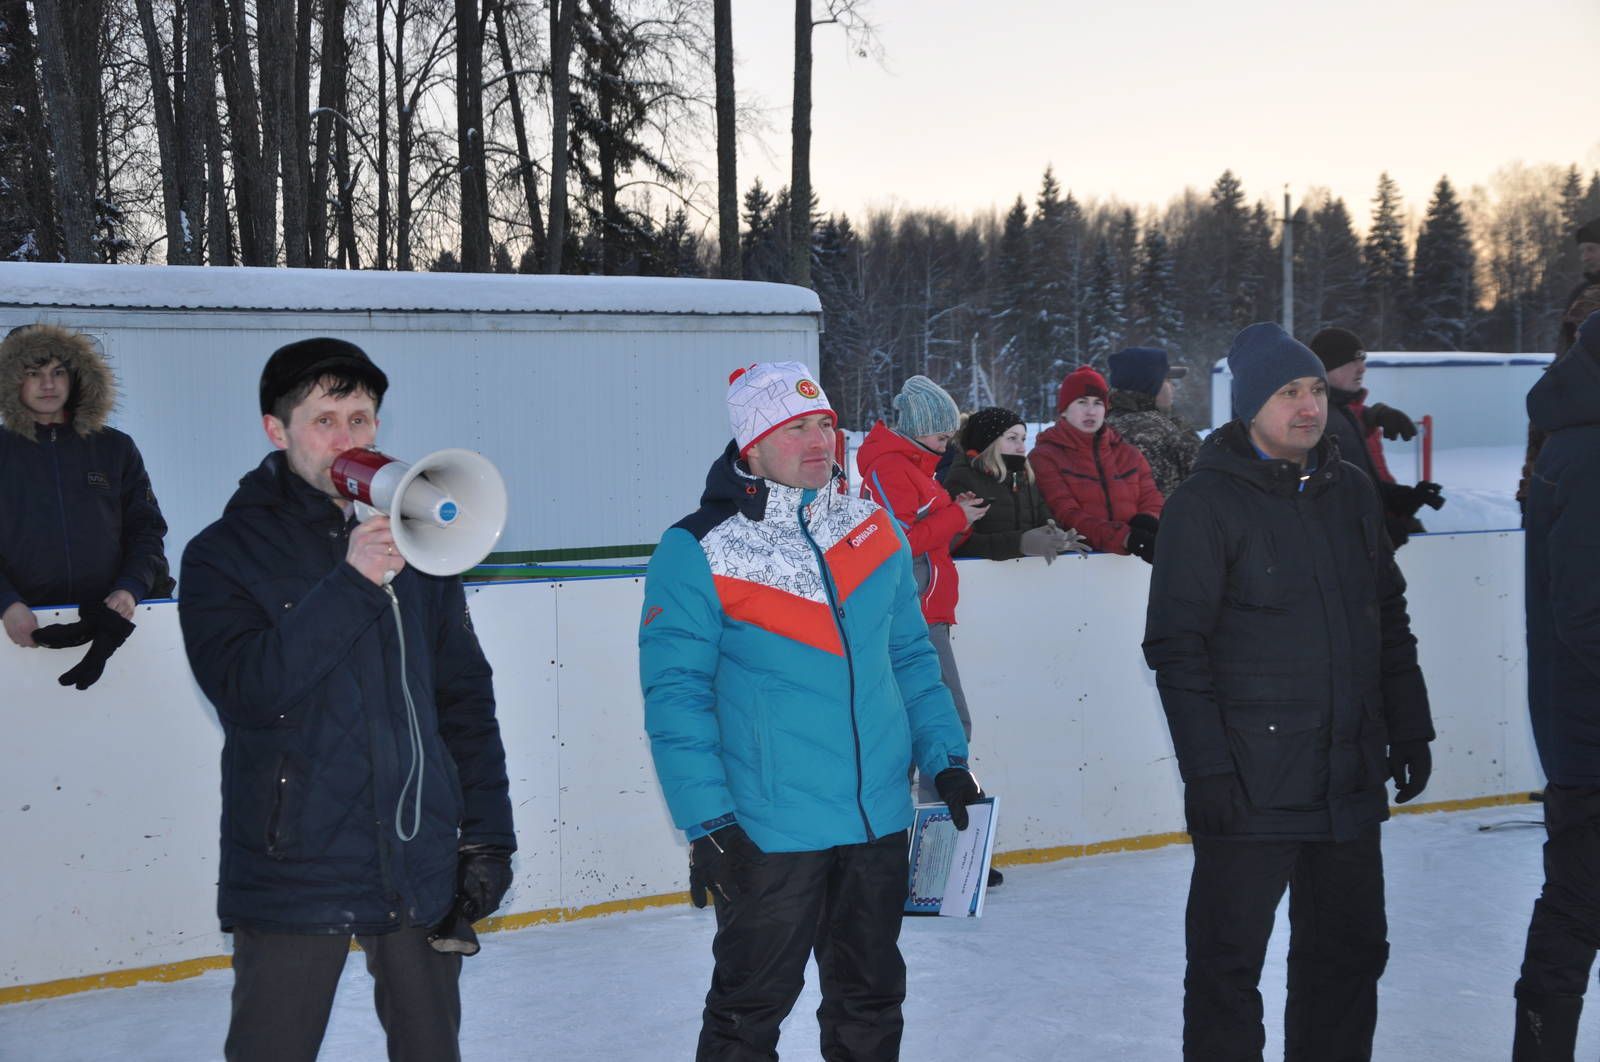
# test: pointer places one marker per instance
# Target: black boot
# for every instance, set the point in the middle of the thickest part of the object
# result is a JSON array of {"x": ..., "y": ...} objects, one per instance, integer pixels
[
  {"x": 1547, "y": 1028},
  {"x": 995, "y": 877}
]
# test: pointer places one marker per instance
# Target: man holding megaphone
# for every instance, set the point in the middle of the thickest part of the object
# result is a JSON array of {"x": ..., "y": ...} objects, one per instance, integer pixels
[{"x": 364, "y": 784}]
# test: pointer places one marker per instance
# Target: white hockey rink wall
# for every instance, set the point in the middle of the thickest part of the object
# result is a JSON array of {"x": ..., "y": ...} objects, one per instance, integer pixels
[{"x": 109, "y": 798}]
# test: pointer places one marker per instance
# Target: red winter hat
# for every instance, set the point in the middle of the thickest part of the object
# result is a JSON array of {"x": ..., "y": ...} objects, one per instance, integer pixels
[{"x": 1080, "y": 382}]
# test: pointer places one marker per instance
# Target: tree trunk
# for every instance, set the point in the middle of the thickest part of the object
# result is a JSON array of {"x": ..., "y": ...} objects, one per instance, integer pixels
[
  {"x": 199, "y": 104},
  {"x": 349, "y": 250},
  {"x": 402, "y": 136},
  {"x": 69, "y": 38},
  {"x": 297, "y": 148},
  {"x": 525, "y": 170},
  {"x": 330, "y": 91},
  {"x": 800, "y": 164},
  {"x": 727, "y": 144},
  {"x": 561, "y": 15},
  {"x": 274, "y": 46},
  {"x": 469, "y": 139},
  {"x": 383, "y": 142},
  {"x": 253, "y": 190},
  {"x": 166, "y": 132}
]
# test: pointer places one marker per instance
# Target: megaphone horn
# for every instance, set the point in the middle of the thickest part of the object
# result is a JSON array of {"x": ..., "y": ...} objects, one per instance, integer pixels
[{"x": 447, "y": 510}]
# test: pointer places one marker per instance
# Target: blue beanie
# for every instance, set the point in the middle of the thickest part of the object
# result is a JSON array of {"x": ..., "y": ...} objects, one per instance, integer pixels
[
  {"x": 1262, "y": 359},
  {"x": 924, "y": 408},
  {"x": 1141, "y": 369}
]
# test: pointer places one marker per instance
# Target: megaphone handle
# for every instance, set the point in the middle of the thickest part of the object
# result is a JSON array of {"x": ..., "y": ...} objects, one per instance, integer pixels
[{"x": 365, "y": 512}]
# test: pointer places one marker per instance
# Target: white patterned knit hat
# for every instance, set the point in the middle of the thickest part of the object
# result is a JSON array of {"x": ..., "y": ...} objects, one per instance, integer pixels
[{"x": 769, "y": 394}]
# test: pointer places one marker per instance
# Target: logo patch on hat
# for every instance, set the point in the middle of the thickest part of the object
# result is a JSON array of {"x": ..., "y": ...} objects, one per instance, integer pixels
[{"x": 807, "y": 389}]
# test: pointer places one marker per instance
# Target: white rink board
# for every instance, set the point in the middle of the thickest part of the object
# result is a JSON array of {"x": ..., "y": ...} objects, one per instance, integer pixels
[{"x": 109, "y": 798}]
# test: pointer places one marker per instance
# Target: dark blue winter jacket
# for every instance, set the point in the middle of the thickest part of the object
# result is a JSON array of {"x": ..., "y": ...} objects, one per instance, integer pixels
[
  {"x": 298, "y": 652},
  {"x": 1562, "y": 549}
]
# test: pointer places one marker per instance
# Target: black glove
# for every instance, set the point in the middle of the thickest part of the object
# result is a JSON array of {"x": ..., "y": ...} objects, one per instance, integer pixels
[
  {"x": 1429, "y": 494},
  {"x": 957, "y": 788},
  {"x": 716, "y": 862},
  {"x": 1405, "y": 501},
  {"x": 1213, "y": 804},
  {"x": 110, "y": 631},
  {"x": 64, "y": 635},
  {"x": 1142, "y": 531},
  {"x": 1389, "y": 420},
  {"x": 483, "y": 874},
  {"x": 1410, "y": 764}
]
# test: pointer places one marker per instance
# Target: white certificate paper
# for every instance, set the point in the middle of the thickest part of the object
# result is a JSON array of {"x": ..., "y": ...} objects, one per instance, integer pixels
[{"x": 949, "y": 868}]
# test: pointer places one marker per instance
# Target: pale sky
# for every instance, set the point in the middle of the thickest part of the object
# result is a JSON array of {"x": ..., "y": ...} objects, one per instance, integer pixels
[{"x": 1135, "y": 99}]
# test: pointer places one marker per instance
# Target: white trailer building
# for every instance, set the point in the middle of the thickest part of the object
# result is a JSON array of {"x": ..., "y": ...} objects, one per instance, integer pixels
[{"x": 600, "y": 398}]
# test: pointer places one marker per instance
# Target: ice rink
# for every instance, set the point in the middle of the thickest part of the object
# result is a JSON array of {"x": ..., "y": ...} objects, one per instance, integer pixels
[{"x": 1078, "y": 959}]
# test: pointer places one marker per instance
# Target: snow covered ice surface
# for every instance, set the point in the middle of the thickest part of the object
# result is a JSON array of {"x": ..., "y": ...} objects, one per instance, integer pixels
[{"x": 1079, "y": 959}]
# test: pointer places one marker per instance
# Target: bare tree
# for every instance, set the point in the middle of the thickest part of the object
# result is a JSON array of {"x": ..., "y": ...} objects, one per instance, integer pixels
[
  {"x": 330, "y": 92},
  {"x": 727, "y": 144},
  {"x": 196, "y": 137},
  {"x": 846, "y": 13},
  {"x": 254, "y": 188},
  {"x": 69, "y": 41},
  {"x": 561, "y": 16},
  {"x": 526, "y": 174},
  {"x": 166, "y": 134},
  {"x": 469, "y": 139}
]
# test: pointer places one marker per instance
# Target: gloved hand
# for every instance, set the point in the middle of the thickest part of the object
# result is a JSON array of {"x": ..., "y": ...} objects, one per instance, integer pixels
[
  {"x": 1142, "y": 537},
  {"x": 1410, "y": 764},
  {"x": 1070, "y": 541},
  {"x": 110, "y": 631},
  {"x": 1430, "y": 494},
  {"x": 1213, "y": 804},
  {"x": 1040, "y": 542},
  {"x": 483, "y": 874},
  {"x": 957, "y": 788},
  {"x": 1389, "y": 420},
  {"x": 1405, "y": 501},
  {"x": 64, "y": 635},
  {"x": 716, "y": 862}
]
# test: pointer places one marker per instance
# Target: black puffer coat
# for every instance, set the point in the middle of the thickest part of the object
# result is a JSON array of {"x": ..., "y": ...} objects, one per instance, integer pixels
[
  {"x": 78, "y": 518},
  {"x": 1563, "y": 571},
  {"x": 1015, "y": 506},
  {"x": 297, "y": 651},
  {"x": 1277, "y": 628}
]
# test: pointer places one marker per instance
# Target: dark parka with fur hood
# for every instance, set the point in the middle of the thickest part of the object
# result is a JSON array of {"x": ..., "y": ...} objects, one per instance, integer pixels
[
  {"x": 78, "y": 518},
  {"x": 300, "y": 654},
  {"x": 1278, "y": 632}
]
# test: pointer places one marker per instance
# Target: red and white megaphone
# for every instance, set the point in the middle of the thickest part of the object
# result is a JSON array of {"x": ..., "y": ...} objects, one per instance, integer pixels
[{"x": 446, "y": 511}]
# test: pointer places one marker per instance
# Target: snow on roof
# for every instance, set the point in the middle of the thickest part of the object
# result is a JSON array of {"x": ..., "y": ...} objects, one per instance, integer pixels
[{"x": 141, "y": 287}]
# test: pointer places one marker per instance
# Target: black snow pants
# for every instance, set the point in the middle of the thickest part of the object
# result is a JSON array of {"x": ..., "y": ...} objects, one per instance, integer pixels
[
  {"x": 283, "y": 988},
  {"x": 1565, "y": 929},
  {"x": 845, "y": 904},
  {"x": 1338, "y": 947}
]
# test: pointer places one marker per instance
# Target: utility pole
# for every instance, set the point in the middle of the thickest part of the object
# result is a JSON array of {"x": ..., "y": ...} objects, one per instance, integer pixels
[{"x": 1288, "y": 264}]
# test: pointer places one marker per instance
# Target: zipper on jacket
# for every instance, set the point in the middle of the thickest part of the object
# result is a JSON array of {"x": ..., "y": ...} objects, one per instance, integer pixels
[
  {"x": 849, "y": 664},
  {"x": 61, "y": 504},
  {"x": 1100, "y": 473}
]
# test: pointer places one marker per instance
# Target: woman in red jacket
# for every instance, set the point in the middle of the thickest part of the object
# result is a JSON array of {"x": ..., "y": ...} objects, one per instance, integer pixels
[
  {"x": 1093, "y": 480},
  {"x": 897, "y": 472}
]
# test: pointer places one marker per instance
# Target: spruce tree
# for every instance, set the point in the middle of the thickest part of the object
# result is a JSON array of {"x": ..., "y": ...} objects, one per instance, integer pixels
[
  {"x": 850, "y": 374},
  {"x": 1106, "y": 311},
  {"x": 1224, "y": 236},
  {"x": 1156, "y": 318},
  {"x": 1442, "y": 293},
  {"x": 1012, "y": 309},
  {"x": 1328, "y": 272},
  {"x": 756, "y": 242},
  {"x": 1387, "y": 268},
  {"x": 1054, "y": 341}
]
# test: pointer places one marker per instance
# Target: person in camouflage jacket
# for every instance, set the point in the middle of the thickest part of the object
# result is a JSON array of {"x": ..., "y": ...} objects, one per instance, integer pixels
[{"x": 1141, "y": 411}]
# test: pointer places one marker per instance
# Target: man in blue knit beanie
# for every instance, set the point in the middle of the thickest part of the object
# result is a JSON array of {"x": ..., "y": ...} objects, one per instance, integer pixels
[{"x": 1277, "y": 629}]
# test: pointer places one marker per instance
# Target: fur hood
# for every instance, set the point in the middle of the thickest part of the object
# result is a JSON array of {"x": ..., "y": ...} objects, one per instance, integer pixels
[{"x": 94, "y": 387}]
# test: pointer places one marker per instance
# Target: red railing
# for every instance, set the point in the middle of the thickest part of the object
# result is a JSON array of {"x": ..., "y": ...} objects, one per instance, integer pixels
[{"x": 1426, "y": 449}]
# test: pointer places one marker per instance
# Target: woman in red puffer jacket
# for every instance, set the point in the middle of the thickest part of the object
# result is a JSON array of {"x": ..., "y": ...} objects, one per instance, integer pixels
[{"x": 1093, "y": 480}]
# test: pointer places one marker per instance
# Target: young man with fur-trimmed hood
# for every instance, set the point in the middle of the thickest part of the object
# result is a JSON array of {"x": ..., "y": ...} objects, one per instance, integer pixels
[{"x": 79, "y": 523}]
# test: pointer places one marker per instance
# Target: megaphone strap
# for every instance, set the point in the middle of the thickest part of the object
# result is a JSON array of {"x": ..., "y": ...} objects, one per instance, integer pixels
[{"x": 415, "y": 733}]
